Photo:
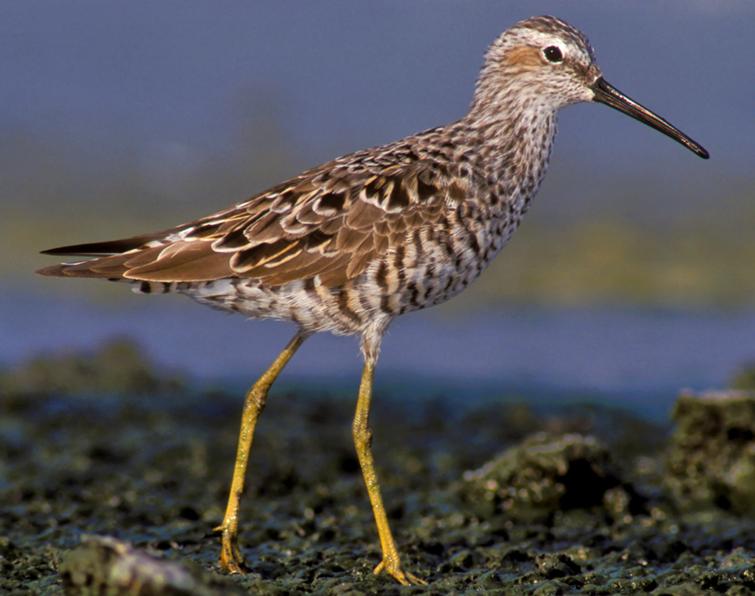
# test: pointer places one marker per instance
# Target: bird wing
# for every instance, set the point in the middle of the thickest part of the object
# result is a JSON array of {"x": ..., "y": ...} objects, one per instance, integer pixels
[{"x": 330, "y": 222}]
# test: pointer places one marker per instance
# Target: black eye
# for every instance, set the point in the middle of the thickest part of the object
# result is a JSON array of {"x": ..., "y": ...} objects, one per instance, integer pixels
[{"x": 553, "y": 54}]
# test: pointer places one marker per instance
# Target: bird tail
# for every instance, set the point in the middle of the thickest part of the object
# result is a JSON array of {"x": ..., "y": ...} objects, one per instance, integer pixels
[{"x": 105, "y": 259}]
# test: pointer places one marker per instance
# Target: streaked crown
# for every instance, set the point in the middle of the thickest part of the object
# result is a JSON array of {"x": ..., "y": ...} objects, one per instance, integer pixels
[{"x": 541, "y": 59}]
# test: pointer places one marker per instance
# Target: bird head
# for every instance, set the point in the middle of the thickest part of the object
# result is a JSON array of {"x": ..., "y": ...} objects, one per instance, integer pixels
[{"x": 545, "y": 63}]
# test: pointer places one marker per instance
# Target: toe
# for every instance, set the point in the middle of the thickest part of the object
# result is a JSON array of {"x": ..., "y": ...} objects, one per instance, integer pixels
[
  {"x": 401, "y": 576},
  {"x": 231, "y": 567},
  {"x": 414, "y": 580},
  {"x": 231, "y": 559}
]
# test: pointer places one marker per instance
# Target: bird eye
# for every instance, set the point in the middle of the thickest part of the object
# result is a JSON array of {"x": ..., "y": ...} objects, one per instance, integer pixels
[{"x": 553, "y": 54}]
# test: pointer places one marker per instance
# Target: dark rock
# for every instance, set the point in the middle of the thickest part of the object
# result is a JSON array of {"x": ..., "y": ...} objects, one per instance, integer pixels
[
  {"x": 710, "y": 461},
  {"x": 546, "y": 474},
  {"x": 554, "y": 566},
  {"x": 104, "y": 565}
]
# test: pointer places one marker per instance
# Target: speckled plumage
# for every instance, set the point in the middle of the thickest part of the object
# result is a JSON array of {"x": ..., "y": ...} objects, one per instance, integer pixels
[{"x": 348, "y": 246}]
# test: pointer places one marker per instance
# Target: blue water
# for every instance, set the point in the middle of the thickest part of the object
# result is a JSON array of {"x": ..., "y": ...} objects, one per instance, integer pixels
[{"x": 640, "y": 357}]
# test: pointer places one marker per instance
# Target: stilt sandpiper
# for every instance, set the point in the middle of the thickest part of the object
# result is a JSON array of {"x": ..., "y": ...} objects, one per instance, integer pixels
[{"x": 349, "y": 245}]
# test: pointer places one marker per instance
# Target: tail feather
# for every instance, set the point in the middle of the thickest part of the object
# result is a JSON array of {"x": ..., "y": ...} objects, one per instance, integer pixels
[
  {"x": 74, "y": 270},
  {"x": 108, "y": 258},
  {"x": 109, "y": 267},
  {"x": 99, "y": 249},
  {"x": 158, "y": 257}
]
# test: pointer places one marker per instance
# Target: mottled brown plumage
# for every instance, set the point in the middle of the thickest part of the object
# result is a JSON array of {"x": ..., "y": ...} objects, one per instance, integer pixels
[{"x": 349, "y": 245}]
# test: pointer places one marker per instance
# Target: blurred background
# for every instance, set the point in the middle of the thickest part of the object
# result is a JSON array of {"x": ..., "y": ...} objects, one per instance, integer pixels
[{"x": 631, "y": 277}]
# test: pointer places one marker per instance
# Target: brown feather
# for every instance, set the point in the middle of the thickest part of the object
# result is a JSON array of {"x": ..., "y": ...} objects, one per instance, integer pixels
[
  {"x": 330, "y": 221},
  {"x": 110, "y": 247},
  {"x": 193, "y": 261}
]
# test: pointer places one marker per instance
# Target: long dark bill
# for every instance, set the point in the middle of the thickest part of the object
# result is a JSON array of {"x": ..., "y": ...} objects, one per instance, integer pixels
[{"x": 611, "y": 96}]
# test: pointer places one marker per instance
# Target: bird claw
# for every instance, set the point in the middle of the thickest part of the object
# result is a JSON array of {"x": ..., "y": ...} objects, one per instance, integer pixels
[
  {"x": 393, "y": 568},
  {"x": 231, "y": 559}
]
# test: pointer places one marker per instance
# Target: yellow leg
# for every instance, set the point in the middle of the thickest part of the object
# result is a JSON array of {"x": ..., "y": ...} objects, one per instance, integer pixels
[
  {"x": 391, "y": 562},
  {"x": 230, "y": 556}
]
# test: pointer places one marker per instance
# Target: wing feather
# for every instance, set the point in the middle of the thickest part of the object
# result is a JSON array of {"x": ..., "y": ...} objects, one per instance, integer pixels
[{"x": 329, "y": 222}]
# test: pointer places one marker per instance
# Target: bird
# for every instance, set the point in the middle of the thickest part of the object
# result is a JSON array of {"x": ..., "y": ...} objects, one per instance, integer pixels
[{"x": 349, "y": 245}]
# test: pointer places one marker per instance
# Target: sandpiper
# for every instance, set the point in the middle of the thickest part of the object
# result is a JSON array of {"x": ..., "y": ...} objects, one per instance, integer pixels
[{"x": 349, "y": 245}]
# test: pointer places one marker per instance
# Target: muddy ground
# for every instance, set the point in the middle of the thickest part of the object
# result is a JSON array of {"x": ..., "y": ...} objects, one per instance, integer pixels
[{"x": 491, "y": 496}]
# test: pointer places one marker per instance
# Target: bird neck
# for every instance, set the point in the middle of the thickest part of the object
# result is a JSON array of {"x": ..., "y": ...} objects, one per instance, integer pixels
[{"x": 514, "y": 135}]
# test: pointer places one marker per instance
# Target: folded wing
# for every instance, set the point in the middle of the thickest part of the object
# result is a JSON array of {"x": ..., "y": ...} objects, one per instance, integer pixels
[{"x": 329, "y": 222}]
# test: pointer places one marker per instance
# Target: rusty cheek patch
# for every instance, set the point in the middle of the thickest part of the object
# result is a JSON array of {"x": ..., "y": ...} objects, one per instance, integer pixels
[{"x": 524, "y": 57}]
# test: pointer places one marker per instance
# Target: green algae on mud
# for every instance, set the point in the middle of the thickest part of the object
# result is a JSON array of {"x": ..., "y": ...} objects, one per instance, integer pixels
[{"x": 151, "y": 468}]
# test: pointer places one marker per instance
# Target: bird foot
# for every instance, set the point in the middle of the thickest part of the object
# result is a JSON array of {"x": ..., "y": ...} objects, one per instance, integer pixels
[
  {"x": 231, "y": 559},
  {"x": 393, "y": 568}
]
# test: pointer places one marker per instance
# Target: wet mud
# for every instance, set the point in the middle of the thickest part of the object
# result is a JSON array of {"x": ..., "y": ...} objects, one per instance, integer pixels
[{"x": 113, "y": 474}]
